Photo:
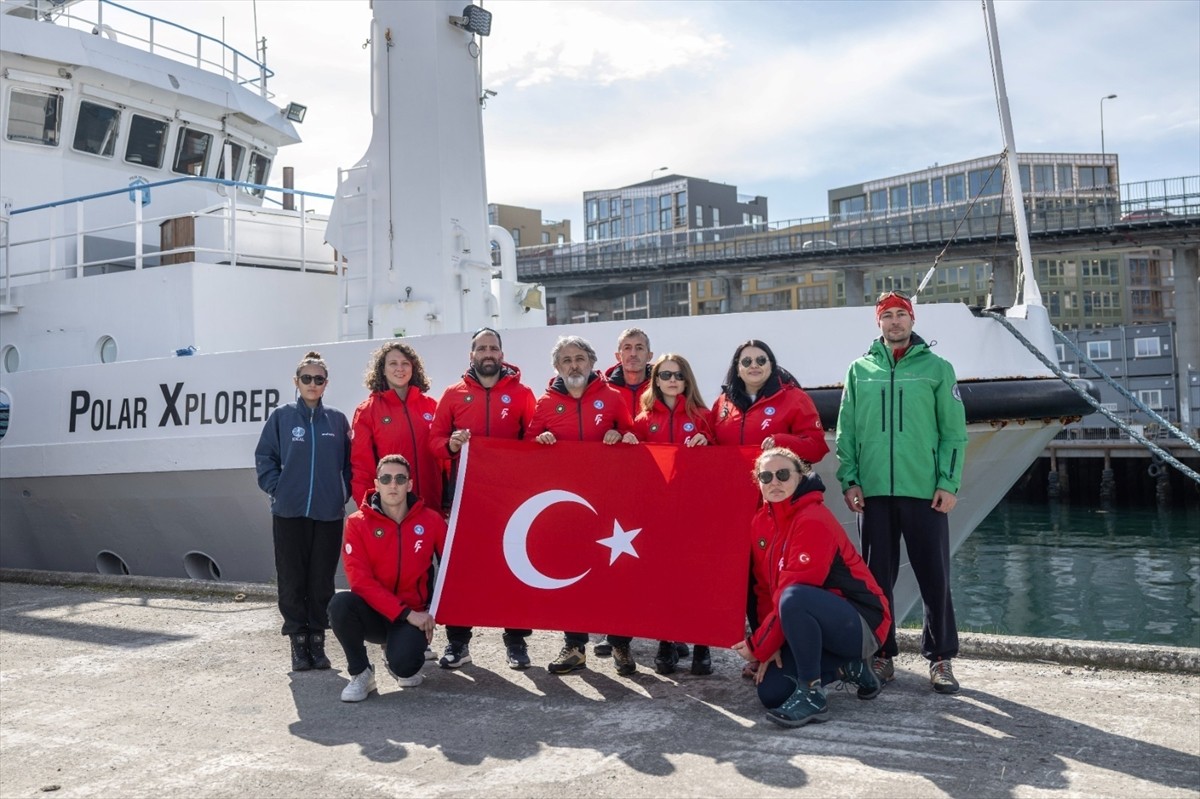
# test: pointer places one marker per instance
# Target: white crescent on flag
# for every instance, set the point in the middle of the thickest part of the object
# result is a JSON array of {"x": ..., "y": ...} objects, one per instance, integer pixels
[{"x": 516, "y": 534}]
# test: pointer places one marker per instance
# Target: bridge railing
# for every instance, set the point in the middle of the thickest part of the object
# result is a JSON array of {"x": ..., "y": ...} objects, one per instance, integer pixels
[{"x": 1154, "y": 203}]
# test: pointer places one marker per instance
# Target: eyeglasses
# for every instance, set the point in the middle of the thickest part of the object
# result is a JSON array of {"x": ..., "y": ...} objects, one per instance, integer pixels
[
  {"x": 386, "y": 479},
  {"x": 761, "y": 360},
  {"x": 904, "y": 295},
  {"x": 316, "y": 379},
  {"x": 782, "y": 475},
  {"x": 665, "y": 375}
]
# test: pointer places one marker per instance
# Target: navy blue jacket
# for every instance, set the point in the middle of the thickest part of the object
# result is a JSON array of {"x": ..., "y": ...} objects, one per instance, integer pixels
[{"x": 303, "y": 461}]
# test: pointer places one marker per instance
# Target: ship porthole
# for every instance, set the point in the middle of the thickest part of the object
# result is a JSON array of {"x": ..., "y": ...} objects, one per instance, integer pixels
[
  {"x": 201, "y": 567},
  {"x": 11, "y": 358},
  {"x": 108, "y": 562},
  {"x": 106, "y": 347}
]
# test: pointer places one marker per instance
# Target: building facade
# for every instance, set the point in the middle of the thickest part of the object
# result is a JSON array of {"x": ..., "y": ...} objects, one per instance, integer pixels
[{"x": 527, "y": 226}]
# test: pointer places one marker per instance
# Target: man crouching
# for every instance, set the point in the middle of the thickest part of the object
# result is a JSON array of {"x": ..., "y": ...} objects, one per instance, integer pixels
[{"x": 390, "y": 549}]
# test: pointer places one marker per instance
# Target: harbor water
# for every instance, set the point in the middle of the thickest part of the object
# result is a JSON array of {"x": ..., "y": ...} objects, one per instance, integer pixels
[{"x": 1052, "y": 570}]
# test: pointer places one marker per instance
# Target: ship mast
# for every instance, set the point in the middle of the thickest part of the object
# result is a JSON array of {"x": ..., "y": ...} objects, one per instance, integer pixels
[{"x": 1028, "y": 292}]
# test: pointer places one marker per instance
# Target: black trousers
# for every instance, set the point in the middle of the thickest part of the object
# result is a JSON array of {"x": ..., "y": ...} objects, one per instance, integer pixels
[
  {"x": 926, "y": 534},
  {"x": 355, "y": 623},
  {"x": 306, "y": 558},
  {"x": 462, "y": 635}
]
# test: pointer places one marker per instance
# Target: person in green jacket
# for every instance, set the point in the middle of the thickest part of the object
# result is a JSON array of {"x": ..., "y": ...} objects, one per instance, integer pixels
[{"x": 901, "y": 441}]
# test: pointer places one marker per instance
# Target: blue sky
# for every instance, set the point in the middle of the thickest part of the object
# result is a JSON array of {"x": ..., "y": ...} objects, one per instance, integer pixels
[{"x": 783, "y": 99}]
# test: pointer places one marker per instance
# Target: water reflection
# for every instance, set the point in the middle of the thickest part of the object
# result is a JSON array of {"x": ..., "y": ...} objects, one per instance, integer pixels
[{"x": 1129, "y": 575}]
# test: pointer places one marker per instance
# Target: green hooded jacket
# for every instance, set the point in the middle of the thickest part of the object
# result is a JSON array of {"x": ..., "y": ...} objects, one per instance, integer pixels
[{"x": 901, "y": 428}]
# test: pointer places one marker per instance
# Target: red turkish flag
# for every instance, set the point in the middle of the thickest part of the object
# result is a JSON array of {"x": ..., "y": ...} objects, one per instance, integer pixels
[{"x": 644, "y": 540}]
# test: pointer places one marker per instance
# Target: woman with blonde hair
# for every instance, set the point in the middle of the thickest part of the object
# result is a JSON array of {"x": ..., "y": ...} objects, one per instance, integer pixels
[
  {"x": 395, "y": 420},
  {"x": 821, "y": 613},
  {"x": 672, "y": 412}
]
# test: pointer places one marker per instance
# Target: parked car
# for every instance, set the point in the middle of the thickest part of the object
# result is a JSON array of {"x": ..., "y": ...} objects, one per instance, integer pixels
[
  {"x": 818, "y": 244},
  {"x": 1143, "y": 214}
]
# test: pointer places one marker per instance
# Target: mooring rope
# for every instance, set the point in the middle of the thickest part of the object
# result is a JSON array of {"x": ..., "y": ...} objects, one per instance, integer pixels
[{"x": 1112, "y": 417}]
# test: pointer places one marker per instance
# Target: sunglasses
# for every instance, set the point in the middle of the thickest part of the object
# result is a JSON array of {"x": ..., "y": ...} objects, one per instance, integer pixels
[
  {"x": 316, "y": 379},
  {"x": 782, "y": 475},
  {"x": 666, "y": 375},
  {"x": 385, "y": 479},
  {"x": 904, "y": 295},
  {"x": 761, "y": 360}
]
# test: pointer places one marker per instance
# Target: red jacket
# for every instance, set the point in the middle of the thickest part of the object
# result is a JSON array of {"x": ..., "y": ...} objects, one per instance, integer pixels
[
  {"x": 390, "y": 565},
  {"x": 503, "y": 411},
  {"x": 663, "y": 425},
  {"x": 799, "y": 541},
  {"x": 781, "y": 410},
  {"x": 615, "y": 376},
  {"x": 384, "y": 424},
  {"x": 601, "y": 408}
]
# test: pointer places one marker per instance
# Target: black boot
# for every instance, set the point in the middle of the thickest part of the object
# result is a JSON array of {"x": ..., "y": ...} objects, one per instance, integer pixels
[
  {"x": 301, "y": 659},
  {"x": 701, "y": 660},
  {"x": 667, "y": 657},
  {"x": 316, "y": 651}
]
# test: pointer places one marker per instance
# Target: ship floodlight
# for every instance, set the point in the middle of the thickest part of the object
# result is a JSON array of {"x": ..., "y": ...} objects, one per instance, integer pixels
[
  {"x": 474, "y": 20},
  {"x": 295, "y": 112}
]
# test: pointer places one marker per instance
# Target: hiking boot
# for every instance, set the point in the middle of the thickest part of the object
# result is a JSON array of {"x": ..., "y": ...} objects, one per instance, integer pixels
[
  {"x": 859, "y": 672},
  {"x": 456, "y": 656},
  {"x": 571, "y": 658},
  {"x": 623, "y": 659},
  {"x": 407, "y": 682},
  {"x": 603, "y": 649},
  {"x": 517, "y": 656},
  {"x": 941, "y": 675},
  {"x": 360, "y": 687},
  {"x": 806, "y": 704},
  {"x": 682, "y": 650},
  {"x": 884, "y": 668},
  {"x": 667, "y": 657},
  {"x": 701, "y": 661},
  {"x": 301, "y": 659},
  {"x": 316, "y": 651}
]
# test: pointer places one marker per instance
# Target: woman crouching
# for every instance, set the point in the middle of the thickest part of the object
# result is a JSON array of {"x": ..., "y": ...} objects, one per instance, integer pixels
[{"x": 821, "y": 613}]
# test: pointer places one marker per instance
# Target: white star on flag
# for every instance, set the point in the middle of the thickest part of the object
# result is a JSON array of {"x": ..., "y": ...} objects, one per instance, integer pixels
[{"x": 620, "y": 542}]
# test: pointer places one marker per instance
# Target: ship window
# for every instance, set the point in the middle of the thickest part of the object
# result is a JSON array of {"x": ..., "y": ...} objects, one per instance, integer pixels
[
  {"x": 107, "y": 348},
  {"x": 5, "y": 407},
  {"x": 147, "y": 141},
  {"x": 236, "y": 156},
  {"x": 191, "y": 154},
  {"x": 11, "y": 358},
  {"x": 260, "y": 169},
  {"x": 34, "y": 117},
  {"x": 96, "y": 129}
]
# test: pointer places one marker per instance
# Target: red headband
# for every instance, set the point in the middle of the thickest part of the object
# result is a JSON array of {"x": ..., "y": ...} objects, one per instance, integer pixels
[{"x": 893, "y": 301}]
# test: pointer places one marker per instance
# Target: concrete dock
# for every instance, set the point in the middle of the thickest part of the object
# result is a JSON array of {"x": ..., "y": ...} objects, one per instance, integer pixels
[{"x": 134, "y": 692}]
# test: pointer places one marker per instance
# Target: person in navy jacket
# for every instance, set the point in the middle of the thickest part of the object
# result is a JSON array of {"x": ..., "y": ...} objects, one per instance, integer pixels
[{"x": 303, "y": 463}]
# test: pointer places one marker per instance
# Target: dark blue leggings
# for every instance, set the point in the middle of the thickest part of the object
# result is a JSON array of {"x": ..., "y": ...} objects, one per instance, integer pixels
[
  {"x": 823, "y": 632},
  {"x": 355, "y": 623}
]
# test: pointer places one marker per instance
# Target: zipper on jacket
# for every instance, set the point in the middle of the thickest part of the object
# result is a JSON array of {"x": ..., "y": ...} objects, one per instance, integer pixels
[
  {"x": 900, "y": 416},
  {"x": 892, "y": 437},
  {"x": 671, "y": 424},
  {"x": 412, "y": 432},
  {"x": 312, "y": 461},
  {"x": 882, "y": 409},
  {"x": 487, "y": 412},
  {"x": 399, "y": 558}
]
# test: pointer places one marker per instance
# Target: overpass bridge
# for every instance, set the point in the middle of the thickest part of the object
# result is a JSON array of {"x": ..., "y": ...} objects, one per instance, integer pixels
[{"x": 1160, "y": 213}]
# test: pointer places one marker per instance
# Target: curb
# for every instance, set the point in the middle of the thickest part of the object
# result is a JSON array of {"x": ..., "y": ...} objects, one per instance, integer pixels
[{"x": 1099, "y": 654}]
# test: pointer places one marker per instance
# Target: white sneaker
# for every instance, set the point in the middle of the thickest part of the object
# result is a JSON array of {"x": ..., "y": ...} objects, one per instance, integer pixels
[
  {"x": 429, "y": 654},
  {"x": 407, "y": 682},
  {"x": 360, "y": 687}
]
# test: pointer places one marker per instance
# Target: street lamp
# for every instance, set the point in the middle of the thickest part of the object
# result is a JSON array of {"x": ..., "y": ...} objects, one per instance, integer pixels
[
  {"x": 653, "y": 172},
  {"x": 1102, "y": 99}
]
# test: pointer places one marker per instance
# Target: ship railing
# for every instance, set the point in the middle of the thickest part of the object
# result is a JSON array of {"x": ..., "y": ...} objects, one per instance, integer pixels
[
  {"x": 163, "y": 37},
  {"x": 55, "y": 237}
]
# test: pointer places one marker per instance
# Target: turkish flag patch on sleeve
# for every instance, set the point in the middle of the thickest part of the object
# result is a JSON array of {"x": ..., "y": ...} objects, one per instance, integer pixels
[{"x": 645, "y": 540}]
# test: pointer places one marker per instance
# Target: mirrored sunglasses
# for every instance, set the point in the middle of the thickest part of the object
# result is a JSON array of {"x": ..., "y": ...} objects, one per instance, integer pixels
[{"x": 386, "y": 479}]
